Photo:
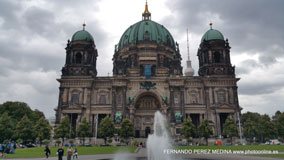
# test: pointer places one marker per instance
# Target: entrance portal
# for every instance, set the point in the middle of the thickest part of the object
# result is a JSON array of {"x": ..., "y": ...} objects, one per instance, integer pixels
[
  {"x": 137, "y": 133},
  {"x": 223, "y": 117},
  {"x": 147, "y": 131},
  {"x": 145, "y": 107}
]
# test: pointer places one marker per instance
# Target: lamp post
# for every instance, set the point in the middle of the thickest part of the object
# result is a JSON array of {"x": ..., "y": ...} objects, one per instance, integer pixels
[{"x": 240, "y": 129}]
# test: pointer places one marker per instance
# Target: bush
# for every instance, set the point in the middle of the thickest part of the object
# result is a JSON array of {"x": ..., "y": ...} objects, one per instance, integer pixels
[
  {"x": 135, "y": 143},
  {"x": 57, "y": 142},
  {"x": 45, "y": 141}
]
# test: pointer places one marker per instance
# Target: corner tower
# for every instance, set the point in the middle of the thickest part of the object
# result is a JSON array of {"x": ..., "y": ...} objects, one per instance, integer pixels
[
  {"x": 81, "y": 55},
  {"x": 214, "y": 55},
  {"x": 77, "y": 77}
]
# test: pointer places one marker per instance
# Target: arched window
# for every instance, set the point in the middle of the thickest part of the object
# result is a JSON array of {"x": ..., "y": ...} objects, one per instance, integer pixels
[
  {"x": 217, "y": 57},
  {"x": 78, "y": 58},
  {"x": 75, "y": 97},
  {"x": 102, "y": 99},
  {"x": 221, "y": 96}
]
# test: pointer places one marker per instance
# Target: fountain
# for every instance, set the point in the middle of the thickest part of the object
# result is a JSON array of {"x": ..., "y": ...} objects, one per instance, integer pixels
[{"x": 159, "y": 140}]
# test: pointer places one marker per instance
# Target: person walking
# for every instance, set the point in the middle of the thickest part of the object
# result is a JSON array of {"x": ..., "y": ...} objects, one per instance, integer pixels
[
  {"x": 69, "y": 153},
  {"x": 75, "y": 154},
  {"x": 47, "y": 151},
  {"x": 60, "y": 153}
]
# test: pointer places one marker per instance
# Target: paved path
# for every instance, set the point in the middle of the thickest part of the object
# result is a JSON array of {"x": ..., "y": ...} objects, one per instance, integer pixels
[{"x": 143, "y": 153}]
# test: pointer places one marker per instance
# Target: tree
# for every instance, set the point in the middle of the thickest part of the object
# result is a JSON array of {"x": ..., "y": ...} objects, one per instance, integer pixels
[
  {"x": 126, "y": 130},
  {"x": 267, "y": 129},
  {"x": 25, "y": 130},
  {"x": 280, "y": 125},
  {"x": 106, "y": 128},
  {"x": 17, "y": 110},
  {"x": 205, "y": 130},
  {"x": 188, "y": 129},
  {"x": 7, "y": 127},
  {"x": 42, "y": 129},
  {"x": 63, "y": 130},
  {"x": 276, "y": 115},
  {"x": 230, "y": 129},
  {"x": 258, "y": 127},
  {"x": 84, "y": 130}
]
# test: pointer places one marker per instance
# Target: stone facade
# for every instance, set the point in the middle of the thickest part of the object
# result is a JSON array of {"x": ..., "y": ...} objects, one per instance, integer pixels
[{"x": 147, "y": 77}]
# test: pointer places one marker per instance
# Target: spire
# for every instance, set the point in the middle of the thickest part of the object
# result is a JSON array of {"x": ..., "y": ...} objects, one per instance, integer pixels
[
  {"x": 189, "y": 71},
  {"x": 188, "y": 57},
  {"x": 210, "y": 24},
  {"x": 84, "y": 25},
  {"x": 146, "y": 15}
]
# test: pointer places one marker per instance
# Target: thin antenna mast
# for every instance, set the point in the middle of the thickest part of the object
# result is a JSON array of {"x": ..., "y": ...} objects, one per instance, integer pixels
[{"x": 188, "y": 58}]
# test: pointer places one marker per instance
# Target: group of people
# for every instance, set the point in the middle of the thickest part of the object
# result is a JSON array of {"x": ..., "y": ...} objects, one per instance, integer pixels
[
  {"x": 7, "y": 149},
  {"x": 71, "y": 153}
]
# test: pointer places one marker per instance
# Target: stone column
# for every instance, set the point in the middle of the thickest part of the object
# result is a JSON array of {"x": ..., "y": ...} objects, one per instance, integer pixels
[
  {"x": 124, "y": 102},
  {"x": 218, "y": 124},
  {"x": 131, "y": 112},
  {"x": 171, "y": 104},
  {"x": 113, "y": 108},
  {"x": 182, "y": 105},
  {"x": 60, "y": 104}
]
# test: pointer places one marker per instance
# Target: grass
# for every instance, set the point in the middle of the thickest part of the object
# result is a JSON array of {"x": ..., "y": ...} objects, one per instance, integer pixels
[{"x": 38, "y": 152}]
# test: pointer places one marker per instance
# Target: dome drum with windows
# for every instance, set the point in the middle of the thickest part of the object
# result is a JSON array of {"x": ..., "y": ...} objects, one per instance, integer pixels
[
  {"x": 147, "y": 43},
  {"x": 214, "y": 55}
]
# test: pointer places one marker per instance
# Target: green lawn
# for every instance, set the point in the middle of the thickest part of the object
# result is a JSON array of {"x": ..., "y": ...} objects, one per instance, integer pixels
[{"x": 39, "y": 151}]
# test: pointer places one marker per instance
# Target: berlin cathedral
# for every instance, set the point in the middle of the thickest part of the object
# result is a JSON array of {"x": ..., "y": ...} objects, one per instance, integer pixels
[{"x": 148, "y": 77}]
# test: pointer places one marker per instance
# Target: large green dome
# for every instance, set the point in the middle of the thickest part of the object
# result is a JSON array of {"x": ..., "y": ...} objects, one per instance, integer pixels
[
  {"x": 146, "y": 30},
  {"x": 212, "y": 34},
  {"x": 82, "y": 35}
]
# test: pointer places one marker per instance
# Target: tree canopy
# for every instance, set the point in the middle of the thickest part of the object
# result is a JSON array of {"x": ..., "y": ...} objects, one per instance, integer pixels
[
  {"x": 84, "y": 130},
  {"x": 126, "y": 130},
  {"x": 230, "y": 129},
  {"x": 106, "y": 128},
  {"x": 188, "y": 129},
  {"x": 18, "y": 122},
  {"x": 257, "y": 127},
  {"x": 205, "y": 130},
  {"x": 63, "y": 129}
]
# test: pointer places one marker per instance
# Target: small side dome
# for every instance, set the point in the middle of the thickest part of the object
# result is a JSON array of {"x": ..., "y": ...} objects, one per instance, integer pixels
[
  {"x": 212, "y": 34},
  {"x": 82, "y": 36}
]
